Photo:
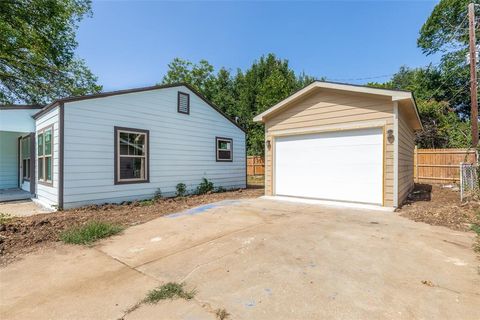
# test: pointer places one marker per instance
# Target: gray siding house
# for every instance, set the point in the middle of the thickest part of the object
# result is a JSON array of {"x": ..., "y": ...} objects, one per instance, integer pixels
[{"x": 125, "y": 145}]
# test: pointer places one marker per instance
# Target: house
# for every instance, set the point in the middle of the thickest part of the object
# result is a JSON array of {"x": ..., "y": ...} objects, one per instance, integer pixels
[
  {"x": 119, "y": 146},
  {"x": 341, "y": 142}
]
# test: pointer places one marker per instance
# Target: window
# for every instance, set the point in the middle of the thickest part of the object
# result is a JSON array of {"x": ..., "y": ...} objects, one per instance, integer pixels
[
  {"x": 26, "y": 158},
  {"x": 131, "y": 155},
  {"x": 224, "y": 149},
  {"x": 183, "y": 103},
  {"x": 45, "y": 155}
]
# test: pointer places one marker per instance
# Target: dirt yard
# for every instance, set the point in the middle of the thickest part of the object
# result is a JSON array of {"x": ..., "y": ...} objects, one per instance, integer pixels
[
  {"x": 440, "y": 206},
  {"x": 26, "y": 234}
]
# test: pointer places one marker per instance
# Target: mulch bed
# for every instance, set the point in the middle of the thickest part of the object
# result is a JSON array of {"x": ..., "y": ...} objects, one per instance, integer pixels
[
  {"x": 440, "y": 205},
  {"x": 22, "y": 235}
]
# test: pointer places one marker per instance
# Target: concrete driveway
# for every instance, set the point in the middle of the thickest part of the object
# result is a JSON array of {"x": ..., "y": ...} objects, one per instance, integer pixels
[{"x": 258, "y": 259}]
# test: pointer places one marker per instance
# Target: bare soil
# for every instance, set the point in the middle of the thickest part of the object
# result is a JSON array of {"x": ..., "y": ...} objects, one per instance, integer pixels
[
  {"x": 441, "y": 206},
  {"x": 27, "y": 234}
]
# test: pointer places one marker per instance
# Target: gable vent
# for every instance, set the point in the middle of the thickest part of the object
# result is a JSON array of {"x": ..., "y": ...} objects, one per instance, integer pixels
[{"x": 183, "y": 103}]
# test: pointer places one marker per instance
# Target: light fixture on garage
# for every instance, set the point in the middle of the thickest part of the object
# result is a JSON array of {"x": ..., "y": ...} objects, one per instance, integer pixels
[
  {"x": 269, "y": 145},
  {"x": 390, "y": 136}
]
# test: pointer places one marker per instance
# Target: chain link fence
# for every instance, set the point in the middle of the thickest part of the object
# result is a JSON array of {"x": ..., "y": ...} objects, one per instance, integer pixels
[{"x": 469, "y": 182}]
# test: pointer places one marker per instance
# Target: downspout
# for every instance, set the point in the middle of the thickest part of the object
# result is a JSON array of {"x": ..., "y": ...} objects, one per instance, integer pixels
[
  {"x": 395, "y": 154},
  {"x": 60, "y": 153}
]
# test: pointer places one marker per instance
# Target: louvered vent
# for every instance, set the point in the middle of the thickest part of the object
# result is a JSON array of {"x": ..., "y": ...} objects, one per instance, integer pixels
[{"x": 183, "y": 103}]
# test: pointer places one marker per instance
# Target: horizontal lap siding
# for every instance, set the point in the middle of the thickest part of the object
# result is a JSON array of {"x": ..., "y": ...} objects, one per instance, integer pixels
[
  {"x": 406, "y": 147},
  {"x": 182, "y": 147},
  {"x": 8, "y": 159},
  {"x": 49, "y": 194},
  {"x": 327, "y": 108}
]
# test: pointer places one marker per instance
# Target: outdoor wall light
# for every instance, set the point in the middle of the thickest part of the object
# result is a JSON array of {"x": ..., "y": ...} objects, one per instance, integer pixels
[
  {"x": 390, "y": 136},
  {"x": 269, "y": 145}
]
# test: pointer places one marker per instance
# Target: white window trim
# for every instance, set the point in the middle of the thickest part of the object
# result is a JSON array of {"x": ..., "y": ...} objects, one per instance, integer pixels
[
  {"x": 44, "y": 180},
  {"x": 118, "y": 156}
]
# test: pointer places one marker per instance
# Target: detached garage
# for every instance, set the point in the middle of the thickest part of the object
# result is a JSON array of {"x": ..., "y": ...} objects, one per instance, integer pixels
[{"x": 341, "y": 142}]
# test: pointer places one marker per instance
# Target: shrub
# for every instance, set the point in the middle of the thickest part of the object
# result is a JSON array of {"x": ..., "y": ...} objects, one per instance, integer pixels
[
  {"x": 220, "y": 189},
  {"x": 157, "y": 195},
  {"x": 90, "y": 232},
  {"x": 205, "y": 186},
  {"x": 181, "y": 189}
]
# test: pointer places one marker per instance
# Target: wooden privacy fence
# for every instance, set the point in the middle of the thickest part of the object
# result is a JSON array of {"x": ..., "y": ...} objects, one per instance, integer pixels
[
  {"x": 440, "y": 165},
  {"x": 255, "y": 166}
]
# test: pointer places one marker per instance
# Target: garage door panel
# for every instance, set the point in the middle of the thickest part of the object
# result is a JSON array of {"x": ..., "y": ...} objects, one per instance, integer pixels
[{"x": 344, "y": 166}]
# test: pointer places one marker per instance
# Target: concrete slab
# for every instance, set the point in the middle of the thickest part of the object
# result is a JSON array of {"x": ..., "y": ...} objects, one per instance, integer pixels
[
  {"x": 185, "y": 310},
  {"x": 22, "y": 208},
  {"x": 258, "y": 259},
  {"x": 70, "y": 282},
  {"x": 14, "y": 194}
]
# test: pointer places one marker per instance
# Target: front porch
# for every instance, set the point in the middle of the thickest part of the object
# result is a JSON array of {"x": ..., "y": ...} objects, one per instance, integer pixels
[
  {"x": 17, "y": 156},
  {"x": 17, "y": 165},
  {"x": 14, "y": 194}
]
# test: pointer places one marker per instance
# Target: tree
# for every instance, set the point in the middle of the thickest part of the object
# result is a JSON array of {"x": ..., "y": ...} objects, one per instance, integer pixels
[
  {"x": 37, "y": 44},
  {"x": 446, "y": 32},
  {"x": 443, "y": 128},
  {"x": 268, "y": 81},
  {"x": 200, "y": 76}
]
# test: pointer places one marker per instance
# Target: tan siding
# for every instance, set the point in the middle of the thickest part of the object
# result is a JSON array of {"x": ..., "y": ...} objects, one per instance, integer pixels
[
  {"x": 406, "y": 146},
  {"x": 327, "y": 108}
]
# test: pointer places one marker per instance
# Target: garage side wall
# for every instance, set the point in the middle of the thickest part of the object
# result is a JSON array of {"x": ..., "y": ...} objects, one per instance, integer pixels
[
  {"x": 326, "y": 110},
  {"x": 406, "y": 148}
]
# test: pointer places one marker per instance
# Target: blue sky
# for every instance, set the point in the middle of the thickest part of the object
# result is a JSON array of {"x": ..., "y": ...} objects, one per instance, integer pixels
[{"x": 129, "y": 43}]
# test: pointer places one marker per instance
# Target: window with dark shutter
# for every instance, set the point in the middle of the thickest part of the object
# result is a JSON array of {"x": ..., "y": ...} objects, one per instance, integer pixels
[
  {"x": 224, "y": 149},
  {"x": 183, "y": 103}
]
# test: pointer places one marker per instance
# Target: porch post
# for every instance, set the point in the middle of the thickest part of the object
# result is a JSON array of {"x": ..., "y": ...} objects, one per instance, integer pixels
[{"x": 33, "y": 180}]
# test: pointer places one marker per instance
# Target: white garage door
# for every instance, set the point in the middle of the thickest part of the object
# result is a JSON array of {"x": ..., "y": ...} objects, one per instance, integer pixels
[{"x": 341, "y": 166}]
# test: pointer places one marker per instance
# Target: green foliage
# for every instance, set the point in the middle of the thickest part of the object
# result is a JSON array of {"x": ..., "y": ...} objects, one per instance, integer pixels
[
  {"x": 170, "y": 290},
  {"x": 220, "y": 189},
  {"x": 442, "y": 127},
  {"x": 446, "y": 32},
  {"x": 90, "y": 232},
  {"x": 440, "y": 29},
  {"x": 205, "y": 186},
  {"x": 37, "y": 51},
  {"x": 157, "y": 195},
  {"x": 181, "y": 189},
  {"x": 5, "y": 218},
  {"x": 245, "y": 94}
]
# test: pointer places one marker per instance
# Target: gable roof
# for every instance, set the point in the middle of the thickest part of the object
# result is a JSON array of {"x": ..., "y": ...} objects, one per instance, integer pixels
[
  {"x": 133, "y": 90},
  {"x": 20, "y": 106},
  {"x": 396, "y": 95}
]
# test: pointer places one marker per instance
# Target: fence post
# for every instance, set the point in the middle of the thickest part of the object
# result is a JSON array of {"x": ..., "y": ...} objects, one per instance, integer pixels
[
  {"x": 461, "y": 182},
  {"x": 415, "y": 160}
]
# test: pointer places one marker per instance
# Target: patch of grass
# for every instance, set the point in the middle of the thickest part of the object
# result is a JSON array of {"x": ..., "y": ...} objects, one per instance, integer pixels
[
  {"x": 90, "y": 232},
  {"x": 4, "y": 218},
  {"x": 147, "y": 202},
  {"x": 222, "y": 314},
  {"x": 170, "y": 290}
]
